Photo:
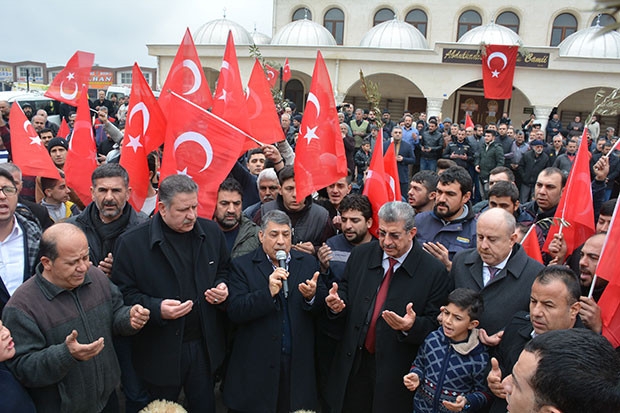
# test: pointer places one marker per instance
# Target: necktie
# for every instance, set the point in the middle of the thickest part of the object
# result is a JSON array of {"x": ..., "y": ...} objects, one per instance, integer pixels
[
  {"x": 493, "y": 272},
  {"x": 369, "y": 343}
]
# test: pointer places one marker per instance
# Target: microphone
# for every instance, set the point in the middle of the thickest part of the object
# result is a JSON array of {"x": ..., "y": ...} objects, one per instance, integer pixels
[{"x": 281, "y": 257}]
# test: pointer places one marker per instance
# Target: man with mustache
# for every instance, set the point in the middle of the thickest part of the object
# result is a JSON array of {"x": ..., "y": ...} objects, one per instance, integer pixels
[{"x": 268, "y": 190}]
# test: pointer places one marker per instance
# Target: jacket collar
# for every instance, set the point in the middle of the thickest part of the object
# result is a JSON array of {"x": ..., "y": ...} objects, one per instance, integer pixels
[{"x": 156, "y": 233}]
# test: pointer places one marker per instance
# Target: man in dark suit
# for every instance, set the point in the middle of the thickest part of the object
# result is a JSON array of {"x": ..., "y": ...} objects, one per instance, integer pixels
[
  {"x": 382, "y": 280},
  {"x": 270, "y": 368},
  {"x": 404, "y": 158},
  {"x": 498, "y": 268}
]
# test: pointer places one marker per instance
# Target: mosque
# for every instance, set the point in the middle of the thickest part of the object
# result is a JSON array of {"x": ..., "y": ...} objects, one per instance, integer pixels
[{"x": 426, "y": 55}]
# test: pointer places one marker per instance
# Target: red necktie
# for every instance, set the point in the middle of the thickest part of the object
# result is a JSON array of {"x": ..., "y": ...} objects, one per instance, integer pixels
[{"x": 379, "y": 302}]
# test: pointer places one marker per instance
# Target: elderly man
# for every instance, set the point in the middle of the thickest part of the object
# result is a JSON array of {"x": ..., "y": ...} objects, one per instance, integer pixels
[
  {"x": 48, "y": 125},
  {"x": 380, "y": 281},
  {"x": 271, "y": 366},
  {"x": 498, "y": 267},
  {"x": 268, "y": 189},
  {"x": 176, "y": 265},
  {"x": 543, "y": 380},
  {"x": 61, "y": 319}
]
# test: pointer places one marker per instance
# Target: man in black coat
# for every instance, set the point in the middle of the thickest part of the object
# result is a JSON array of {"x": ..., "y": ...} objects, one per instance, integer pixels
[
  {"x": 271, "y": 367},
  {"x": 382, "y": 280},
  {"x": 176, "y": 265}
]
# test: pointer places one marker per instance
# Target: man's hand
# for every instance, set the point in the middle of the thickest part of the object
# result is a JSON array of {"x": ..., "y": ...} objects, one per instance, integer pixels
[
  {"x": 272, "y": 153},
  {"x": 457, "y": 405},
  {"x": 397, "y": 322},
  {"x": 601, "y": 169},
  {"x": 275, "y": 280},
  {"x": 83, "y": 352},
  {"x": 106, "y": 264},
  {"x": 173, "y": 309},
  {"x": 333, "y": 300},
  {"x": 437, "y": 250},
  {"x": 324, "y": 254},
  {"x": 306, "y": 247},
  {"x": 217, "y": 294},
  {"x": 337, "y": 221},
  {"x": 590, "y": 314},
  {"x": 494, "y": 380},
  {"x": 558, "y": 249},
  {"x": 103, "y": 116},
  {"x": 488, "y": 340},
  {"x": 411, "y": 381},
  {"x": 138, "y": 316},
  {"x": 308, "y": 289}
]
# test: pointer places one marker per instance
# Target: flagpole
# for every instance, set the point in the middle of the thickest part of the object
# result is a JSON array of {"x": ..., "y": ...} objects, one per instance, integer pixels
[
  {"x": 527, "y": 233},
  {"x": 612, "y": 149},
  {"x": 592, "y": 286},
  {"x": 256, "y": 141}
]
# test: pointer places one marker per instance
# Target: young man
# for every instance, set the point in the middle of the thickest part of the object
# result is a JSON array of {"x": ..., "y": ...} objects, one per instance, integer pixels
[{"x": 56, "y": 198}]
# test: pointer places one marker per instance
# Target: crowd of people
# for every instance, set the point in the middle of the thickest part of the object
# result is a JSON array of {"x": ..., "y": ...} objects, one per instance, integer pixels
[{"x": 286, "y": 304}]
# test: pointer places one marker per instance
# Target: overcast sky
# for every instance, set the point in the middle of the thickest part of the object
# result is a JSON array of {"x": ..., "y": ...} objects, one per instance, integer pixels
[{"x": 117, "y": 31}]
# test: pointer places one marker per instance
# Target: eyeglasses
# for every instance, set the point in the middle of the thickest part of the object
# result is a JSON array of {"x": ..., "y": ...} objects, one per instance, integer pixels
[{"x": 8, "y": 190}]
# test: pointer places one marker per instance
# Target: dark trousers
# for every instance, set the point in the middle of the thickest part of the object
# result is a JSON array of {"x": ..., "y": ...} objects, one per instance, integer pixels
[
  {"x": 136, "y": 395},
  {"x": 360, "y": 391},
  {"x": 196, "y": 380}
]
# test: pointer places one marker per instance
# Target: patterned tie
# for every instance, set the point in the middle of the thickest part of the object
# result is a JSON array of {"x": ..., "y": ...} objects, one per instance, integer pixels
[
  {"x": 369, "y": 343},
  {"x": 493, "y": 272}
]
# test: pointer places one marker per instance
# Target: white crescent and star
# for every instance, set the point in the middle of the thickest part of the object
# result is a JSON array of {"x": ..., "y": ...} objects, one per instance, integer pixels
[
  {"x": 498, "y": 55},
  {"x": 191, "y": 65},
  {"x": 315, "y": 101},
  {"x": 270, "y": 74},
  {"x": 200, "y": 140},
  {"x": 311, "y": 132},
  {"x": 65, "y": 95},
  {"x": 35, "y": 140},
  {"x": 257, "y": 103},
  {"x": 134, "y": 141}
]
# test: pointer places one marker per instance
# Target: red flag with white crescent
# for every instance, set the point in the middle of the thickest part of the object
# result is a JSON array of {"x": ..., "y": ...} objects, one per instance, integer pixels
[
  {"x": 202, "y": 146},
  {"x": 186, "y": 77},
  {"x": 320, "y": 159},
  {"x": 27, "y": 150},
  {"x": 82, "y": 155},
  {"x": 67, "y": 85},
  {"x": 286, "y": 73},
  {"x": 272, "y": 75},
  {"x": 144, "y": 132},
  {"x": 498, "y": 70},
  {"x": 375, "y": 186}
]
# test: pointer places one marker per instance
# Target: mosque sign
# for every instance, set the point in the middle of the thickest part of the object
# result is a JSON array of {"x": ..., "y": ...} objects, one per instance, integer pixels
[{"x": 471, "y": 56}]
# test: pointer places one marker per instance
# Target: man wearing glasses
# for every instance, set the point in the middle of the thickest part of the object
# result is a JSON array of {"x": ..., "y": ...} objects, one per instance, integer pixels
[{"x": 19, "y": 241}]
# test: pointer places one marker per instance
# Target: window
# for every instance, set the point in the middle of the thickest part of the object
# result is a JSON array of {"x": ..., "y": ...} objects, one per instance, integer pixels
[
  {"x": 563, "y": 26},
  {"x": 147, "y": 77},
  {"x": 467, "y": 21},
  {"x": 605, "y": 20},
  {"x": 418, "y": 19},
  {"x": 125, "y": 78},
  {"x": 334, "y": 22},
  {"x": 509, "y": 20},
  {"x": 301, "y": 14},
  {"x": 383, "y": 15},
  {"x": 34, "y": 72}
]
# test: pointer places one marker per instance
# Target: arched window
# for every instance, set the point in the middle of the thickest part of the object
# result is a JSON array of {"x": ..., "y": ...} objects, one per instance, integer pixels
[
  {"x": 294, "y": 91},
  {"x": 418, "y": 19},
  {"x": 606, "y": 20},
  {"x": 301, "y": 14},
  {"x": 334, "y": 22},
  {"x": 509, "y": 20},
  {"x": 467, "y": 21},
  {"x": 563, "y": 26},
  {"x": 383, "y": 15}
]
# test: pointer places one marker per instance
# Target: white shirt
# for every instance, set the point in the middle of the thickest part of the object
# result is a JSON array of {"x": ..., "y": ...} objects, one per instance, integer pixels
[
  {"x": 486, "y": 274},
  {"x": 12, "y": 259}
]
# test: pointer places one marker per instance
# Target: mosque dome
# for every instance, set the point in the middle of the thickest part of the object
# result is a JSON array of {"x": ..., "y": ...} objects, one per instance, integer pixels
[
  {"x": 260, "y": 38},
  {"x": 216, "y": 32},
  {"x": 303, "y": 33},
  {"x": 590, "y": 43},
  {"x": 394, "y": 34},
  {"x": 491, "y": 34}
]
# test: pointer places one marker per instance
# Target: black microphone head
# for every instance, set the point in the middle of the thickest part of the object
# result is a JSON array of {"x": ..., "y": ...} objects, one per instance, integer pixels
[{"x": 280, "y": 255}]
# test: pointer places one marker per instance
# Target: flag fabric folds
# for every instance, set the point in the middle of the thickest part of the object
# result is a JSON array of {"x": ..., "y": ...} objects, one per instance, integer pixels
[
  {"x": 64, "y": 130},
  {"x": 144, "y": 132},
  {"x": 391, "y": 174},
  {"x": 498, "y": 70},
  {"x": 67, "y": 85},
  {"x": 530, "y": 245},
  {"x": 468, "y": 122},
  {"x": 286, "y": 72},
  {"x": 320, "y": 159},
  {"x": 376, "y": 186},
  {"x": 272, "y": 75},
  {"x": 27, "y": 150}
]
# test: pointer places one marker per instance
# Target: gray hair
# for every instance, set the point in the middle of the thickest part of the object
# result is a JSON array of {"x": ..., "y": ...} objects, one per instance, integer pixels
[
  {"x": 10, "y": 167},
  {"x": 398, "y": 211},
  {"x": 175, "y": 184},
  {"x": 277, "y": 217},
  {"x": 267, "y": 173}
]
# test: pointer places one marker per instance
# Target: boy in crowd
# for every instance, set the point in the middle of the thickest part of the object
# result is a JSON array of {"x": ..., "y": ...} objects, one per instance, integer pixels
[
  {"x": 453, "y": 359},
  {"x": 56, "y": 198}
]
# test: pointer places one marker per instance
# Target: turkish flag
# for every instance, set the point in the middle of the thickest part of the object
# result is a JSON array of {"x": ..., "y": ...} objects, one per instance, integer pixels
[
  {"x": 468, "y": 121},
  {"x": 264, "y": 121},
  {"x": 576, "y": 203},
  {"x": 82, "y": 155},
  {"x": 67, "y": 84},
  {"x": 530, "y": 245},
  {"x": 375, "y": 186},
  {"x": 186, "y": 77},
  {"x": 202, "y": 146},
  {"x": 64, "y": 130},
  {"x": 391, "y": 174},
  {"x": 286, "y": 73},
  {"x": 498, "y": 71},
  {"x": 272, "y": 75},
  {"x": 607, "y": 269},
  {"x": 144, "y": 132},
  {"x": 610, "y": 313},
  {"x": 27, "y": 150},
  {"x": 320, "y": 159},
  {"x": 229, "y": 100}
]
